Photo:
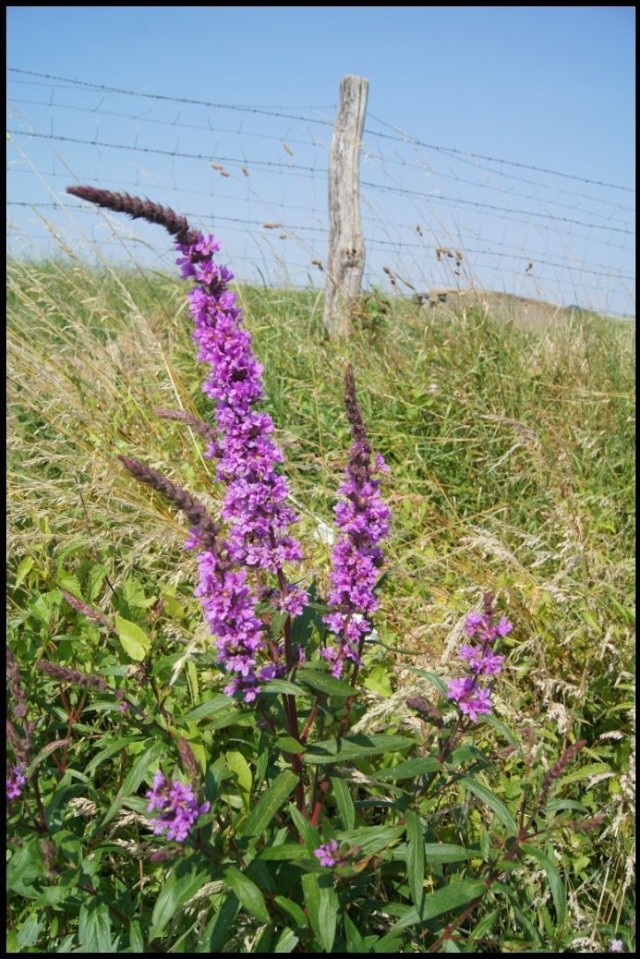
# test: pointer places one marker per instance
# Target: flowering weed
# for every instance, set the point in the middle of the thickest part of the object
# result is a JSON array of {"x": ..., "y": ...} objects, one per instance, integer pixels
[{"x": 249, "y": 791}]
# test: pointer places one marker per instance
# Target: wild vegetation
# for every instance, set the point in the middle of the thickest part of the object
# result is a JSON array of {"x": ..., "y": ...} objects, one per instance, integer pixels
[{"x": 387, "y": 818}]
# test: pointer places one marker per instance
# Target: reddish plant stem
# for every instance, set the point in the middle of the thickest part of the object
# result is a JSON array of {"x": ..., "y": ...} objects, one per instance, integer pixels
[
  {"x": 309, "y": 723},
  {"x": 323, "y": 788},
  {"x": 289, "y": 702}
]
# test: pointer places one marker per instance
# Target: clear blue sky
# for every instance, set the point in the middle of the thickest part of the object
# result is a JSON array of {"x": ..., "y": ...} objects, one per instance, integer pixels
[{"x": 549, "y": 87}]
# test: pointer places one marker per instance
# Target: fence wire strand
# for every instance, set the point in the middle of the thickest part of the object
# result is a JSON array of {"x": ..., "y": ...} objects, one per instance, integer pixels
[{"x": 434, "y": 217}]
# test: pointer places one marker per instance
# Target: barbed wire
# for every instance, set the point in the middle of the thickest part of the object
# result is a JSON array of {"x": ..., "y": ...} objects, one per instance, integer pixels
[
  {"x": 467, "y": 230},
  {"x": 400, "y": 136},
  {"x": 294, "y": 167},
  {"x": 376, "y": 244}
]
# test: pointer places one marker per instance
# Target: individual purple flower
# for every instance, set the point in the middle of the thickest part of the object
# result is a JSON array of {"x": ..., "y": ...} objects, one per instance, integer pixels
[
  {"x": 616, "y": 945},
  {"x": 327, "y": 853},
  {"x": 472, "y": 697},
  {"x": 177, "y": 806},
  {"x": 16, "y": 779},
  {"x": 362, "y": 519}
]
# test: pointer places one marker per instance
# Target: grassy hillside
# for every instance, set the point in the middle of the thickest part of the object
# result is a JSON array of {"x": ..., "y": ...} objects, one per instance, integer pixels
[{"x": 511, "y": 454}]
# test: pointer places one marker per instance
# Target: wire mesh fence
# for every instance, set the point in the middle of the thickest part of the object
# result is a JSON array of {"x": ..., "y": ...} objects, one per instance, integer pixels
[{"x": 434, "y": 217}]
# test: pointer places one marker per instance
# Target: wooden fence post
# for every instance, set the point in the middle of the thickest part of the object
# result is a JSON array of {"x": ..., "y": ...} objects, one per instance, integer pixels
[{"x": 345, "y": 262}]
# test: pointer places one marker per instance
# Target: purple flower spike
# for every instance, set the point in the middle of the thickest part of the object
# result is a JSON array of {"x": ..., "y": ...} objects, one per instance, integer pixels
[
  {"x": 470, "y": 695},
  {"x": 362, "y": 519},
  {"x": 255, "y": 505},
  {"x": 16, "y": 779},
  {"x": 177, "y": 806}
]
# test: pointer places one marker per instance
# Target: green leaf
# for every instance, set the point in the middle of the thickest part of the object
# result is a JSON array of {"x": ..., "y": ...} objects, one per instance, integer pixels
[
  {"x": 44, "y": 752},
  {"x": 248, "y": 894},
  {"x": 447, "y": 852},
  {"x": 353, "y": 747},
  {"x": 118, "y": 746},
  {"x": 491, "y": 800},
  {"x": 344, "y": 802},
  {"x": 29, "y": 931},
  {"x": 278, "y": 619},
  {"x": 558, "y": 892},
  {"x": 136, "y": 942},
  {"x": 321, "y": 901},
  {"x": 133, "y": 594},
  {"x": 220, "y": 927},
  {"x": 287, "y": 744},
  {"x": 282, "y": 686},
  {"x": 593, "y": 769},
  {"x": 491, "y": 720},
  {"x": 436, "y": 681},
  {"x": 293, "y": 911},
  {"x": 141, "y": 767},
  {"x": 94, "y": 927},
  {"x": 217, "y": 704},
  {"x": 372, "y": 839},
  {"x": 269, "y": 803},
  {"x": 410, "y": 768},
  {"x": 26, "y": 565},
  {"x": 443, "y": 900},
  {"x": 192, "y": 679},
  {"x": 378, "y": 680},
  {"x": 179, "y": 887},
  {"x": 134, "y": 640},
  {"x": 242, "y": 771},
  {"x": 355, "y": 942},
  {"x": 415, "y": 857},
  {"x": 97, "y": 576},
  {"x": 311, "y": 892},
  {"x": 308, "y": 833},
  {"x": 325, "y": 683},
  {"x": 484, "y": 926},
  {"x": 288, "y": 851},
  {"x": 24, "y": 866},
  {"x": 70, "y": 583},
  {"x": 287, "y": 942}
]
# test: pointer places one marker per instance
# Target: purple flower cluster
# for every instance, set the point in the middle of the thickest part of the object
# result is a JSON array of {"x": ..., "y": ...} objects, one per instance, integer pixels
[
  {"x": 16, "y": 779},
  {"x": 254, "y": 505},
  {"x": 363, "y": 521},
  {"x": 327, "y": 853},
  {"x": 229, "y": 609},
  {"x": 472, "y": 698},
  {"x": 177, "y": 806}
]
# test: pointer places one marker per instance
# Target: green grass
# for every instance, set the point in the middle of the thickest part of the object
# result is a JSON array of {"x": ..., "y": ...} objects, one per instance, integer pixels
[{"x": 512, "y": 469}]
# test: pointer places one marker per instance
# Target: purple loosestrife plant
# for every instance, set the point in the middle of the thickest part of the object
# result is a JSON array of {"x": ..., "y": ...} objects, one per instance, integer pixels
[
  {"x": 254, "y": 507},
  {"x": 177, "y": 807},
  {"x": 362, "y": 519},
  {"x": 255, "y": 502},
  {"x": 16, "y": 780},
  {"x": 260, "y": 804},
  {"x": 472, "y": 697}
]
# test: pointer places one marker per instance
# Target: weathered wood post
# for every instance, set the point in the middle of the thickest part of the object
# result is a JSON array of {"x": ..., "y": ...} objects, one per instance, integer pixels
[{"x": 345, "y": 261}]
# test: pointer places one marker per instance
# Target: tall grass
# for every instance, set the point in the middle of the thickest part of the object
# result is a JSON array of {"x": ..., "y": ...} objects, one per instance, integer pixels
[{"x": 511, "y": 455}]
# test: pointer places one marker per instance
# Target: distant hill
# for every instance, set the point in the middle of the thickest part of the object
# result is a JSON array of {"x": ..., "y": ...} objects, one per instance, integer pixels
[{"x": 503, "y": 306}]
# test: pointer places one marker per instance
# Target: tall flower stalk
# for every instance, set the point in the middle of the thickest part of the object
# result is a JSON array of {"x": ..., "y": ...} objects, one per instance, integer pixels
[
  {"x": 362, "y": 519},
  {"x": 255, "y": 506},
  {"x": 471, "y": 693}
]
